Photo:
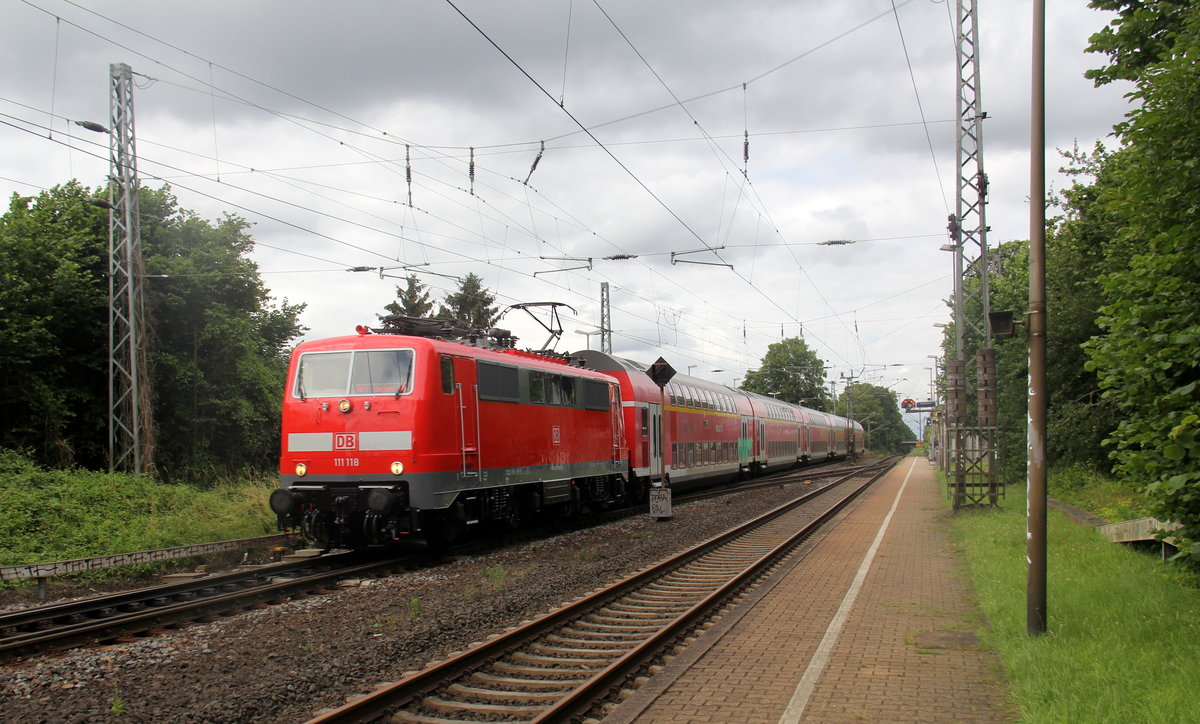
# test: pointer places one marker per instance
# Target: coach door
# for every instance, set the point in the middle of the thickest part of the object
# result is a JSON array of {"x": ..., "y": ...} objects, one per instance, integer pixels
[{"x": 466, "y": 394}]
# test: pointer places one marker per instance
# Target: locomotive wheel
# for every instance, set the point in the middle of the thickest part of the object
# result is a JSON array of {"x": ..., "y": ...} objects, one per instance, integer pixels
[
  {"x": 442, "y": 531},
  {"x": 638, "y": 491}
]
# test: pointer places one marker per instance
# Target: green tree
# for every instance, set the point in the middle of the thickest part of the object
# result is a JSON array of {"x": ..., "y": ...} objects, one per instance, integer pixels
[
  {"x": 879, "y": 412},
  {"x": 792, "y": 372},
  {"x": 412, "y": 300},
  {"x": 1148, "y": 359},
  {"x": 470, "y": 306},
  {"x": 53, "y": 326},
  {"x": 219, "y": 347},
  {"x": 1142, "y": 36}
]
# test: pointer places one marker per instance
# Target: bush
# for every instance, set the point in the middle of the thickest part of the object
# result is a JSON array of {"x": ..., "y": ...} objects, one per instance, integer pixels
[{"x": 54, "y": 515}]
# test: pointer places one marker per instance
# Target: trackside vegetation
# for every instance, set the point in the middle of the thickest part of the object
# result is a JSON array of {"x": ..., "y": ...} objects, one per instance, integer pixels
[
  {"x": 1124, "y": 627},
  {"x": 1122, "y": 280},
  {"x": 62, "y": 514}
]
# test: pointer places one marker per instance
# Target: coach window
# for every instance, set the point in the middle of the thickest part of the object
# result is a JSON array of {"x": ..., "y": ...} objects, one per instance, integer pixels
[
  {"x": 553, "y": 390},
  {"x": 447, "y": 375},
  {"x": 645, "y": 421}
]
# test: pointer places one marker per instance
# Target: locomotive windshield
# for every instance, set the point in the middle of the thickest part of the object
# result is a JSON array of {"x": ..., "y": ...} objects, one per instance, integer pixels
[{"x": 364, "y": 372}]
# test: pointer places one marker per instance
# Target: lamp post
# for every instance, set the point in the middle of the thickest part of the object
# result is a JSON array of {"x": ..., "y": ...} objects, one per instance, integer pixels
[
  {"x": 939, "y": 435},
  {"x": 589, "y": 335}
]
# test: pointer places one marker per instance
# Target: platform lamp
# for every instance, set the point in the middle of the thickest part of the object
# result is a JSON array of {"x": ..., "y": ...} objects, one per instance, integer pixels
[{"x": 589, "y": 335}]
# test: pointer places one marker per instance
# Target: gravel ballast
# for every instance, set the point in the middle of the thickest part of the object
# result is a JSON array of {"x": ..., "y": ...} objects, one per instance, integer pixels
[{"x": 283, "y": 663}]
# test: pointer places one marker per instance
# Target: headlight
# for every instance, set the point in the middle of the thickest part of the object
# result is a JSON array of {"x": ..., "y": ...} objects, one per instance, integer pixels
[
  {"x": 301, "y": 469},
  {"x": 397, "y": 468},
  {"x": 344, "y": 405}
]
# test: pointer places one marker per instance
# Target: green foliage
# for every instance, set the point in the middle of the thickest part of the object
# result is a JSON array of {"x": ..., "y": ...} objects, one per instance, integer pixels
[
  {"x": 1148, "y": 360},
  {"x": 877, "y": 409},
  {"x": 495, "y": 576},
  {"x": 471, "y": 306},
  {"x": 411, "y": 301},
  {"x": 54, "y": 326},
  {"x": 52, "y": 515},
  {"x": 791, "y": 372},
  {"x": 1100, "y": 493},
  {"x": 1142, "y": 35},
  {"x": 1116, "y": 621},
  {"x": 219, "y": 348},
  {"x": 218, "y": 345}
]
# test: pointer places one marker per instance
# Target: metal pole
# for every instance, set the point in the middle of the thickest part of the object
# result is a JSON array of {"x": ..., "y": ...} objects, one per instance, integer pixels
[{"x": 1035, "y": 601}]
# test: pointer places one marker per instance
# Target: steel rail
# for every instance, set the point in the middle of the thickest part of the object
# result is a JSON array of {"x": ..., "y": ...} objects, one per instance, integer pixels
[
  {"x": 156, "y": 612},
  {"x": 387, "y": 699}
]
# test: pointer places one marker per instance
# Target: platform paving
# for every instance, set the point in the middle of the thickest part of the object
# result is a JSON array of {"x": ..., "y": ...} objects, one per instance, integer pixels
[{"x": 813, "y": 645}]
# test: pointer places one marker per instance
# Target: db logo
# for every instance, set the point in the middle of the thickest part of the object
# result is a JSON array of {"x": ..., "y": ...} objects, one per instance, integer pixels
[
  {"x": 555, "y": 435},
  {"x": 345, "y": 441}
]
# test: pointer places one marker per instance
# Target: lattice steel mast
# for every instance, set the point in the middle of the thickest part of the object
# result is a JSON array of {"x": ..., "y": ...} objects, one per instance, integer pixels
[
  {"x": 973, "y": 477},
  {"x": 605, "y": 320},
  {"x": 130, "y": 423}
]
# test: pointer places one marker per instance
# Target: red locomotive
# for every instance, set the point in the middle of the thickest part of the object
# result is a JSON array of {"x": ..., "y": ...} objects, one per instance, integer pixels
[{"x": 388, "y": 436}]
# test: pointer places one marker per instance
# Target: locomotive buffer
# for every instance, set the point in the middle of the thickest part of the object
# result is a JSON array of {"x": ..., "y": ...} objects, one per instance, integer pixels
[{"x": 661, "y": 373}]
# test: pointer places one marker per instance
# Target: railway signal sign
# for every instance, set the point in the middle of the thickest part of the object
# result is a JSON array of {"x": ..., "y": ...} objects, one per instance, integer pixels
[{"x": 661, "y": 372}]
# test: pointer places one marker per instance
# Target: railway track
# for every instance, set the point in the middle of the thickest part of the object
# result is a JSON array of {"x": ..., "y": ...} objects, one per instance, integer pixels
[
  {"x": 560, "y": 666},
  {"x": 144, "y": 611}
]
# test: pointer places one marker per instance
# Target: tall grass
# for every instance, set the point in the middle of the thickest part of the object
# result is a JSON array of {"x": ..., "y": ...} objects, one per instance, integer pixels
[
  {"x": 48, "y": 515},
  {"x": 1123, "y": 634}
]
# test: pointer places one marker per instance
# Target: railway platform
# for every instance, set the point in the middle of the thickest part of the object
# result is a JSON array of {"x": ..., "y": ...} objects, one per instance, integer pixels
[{"x": 873, "y": 621}]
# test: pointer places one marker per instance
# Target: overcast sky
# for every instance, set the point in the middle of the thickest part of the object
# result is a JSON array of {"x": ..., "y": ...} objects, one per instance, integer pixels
[{"x": 298, "y": 115}]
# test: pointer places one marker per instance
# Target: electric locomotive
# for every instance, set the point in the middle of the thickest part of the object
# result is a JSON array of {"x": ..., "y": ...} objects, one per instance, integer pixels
[
  {"x": 413, "y": 431},
  {"x": 421, "y": 431}
]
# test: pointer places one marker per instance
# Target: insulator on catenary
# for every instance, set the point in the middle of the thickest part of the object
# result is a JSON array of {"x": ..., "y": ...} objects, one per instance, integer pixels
[
  {"x": 408, "y": 171},
  {"x": 535, "y": 162}
]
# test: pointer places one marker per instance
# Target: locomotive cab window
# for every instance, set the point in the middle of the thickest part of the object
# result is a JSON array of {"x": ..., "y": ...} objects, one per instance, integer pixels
[
  {"x": 363, "y": 372},
  {"x": 385, "y": 371}
]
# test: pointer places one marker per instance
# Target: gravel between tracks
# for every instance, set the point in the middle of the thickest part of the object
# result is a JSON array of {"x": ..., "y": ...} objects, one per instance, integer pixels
[{"x": 284, "y": 662}]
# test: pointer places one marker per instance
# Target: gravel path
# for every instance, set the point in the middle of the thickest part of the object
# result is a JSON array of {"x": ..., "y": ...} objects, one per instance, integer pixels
[{"x": 282, "y": 663}]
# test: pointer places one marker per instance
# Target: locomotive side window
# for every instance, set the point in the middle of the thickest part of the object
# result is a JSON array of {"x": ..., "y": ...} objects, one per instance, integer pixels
[
  {"x": 568, "y": 390},
  {"x": 537, "y": 387},
  {"x": 498, "y": 382},
  {"x": 448, "y": 375},
  {"x": 595, "y": 395}
]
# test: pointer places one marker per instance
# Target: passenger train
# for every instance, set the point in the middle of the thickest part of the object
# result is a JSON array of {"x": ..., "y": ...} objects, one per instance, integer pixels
[{"x": 415, "y": 431}]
